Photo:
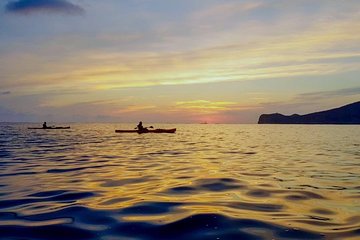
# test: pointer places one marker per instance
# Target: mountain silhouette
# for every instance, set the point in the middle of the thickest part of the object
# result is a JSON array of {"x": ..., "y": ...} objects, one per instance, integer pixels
[{"x": 348, "y": 114}]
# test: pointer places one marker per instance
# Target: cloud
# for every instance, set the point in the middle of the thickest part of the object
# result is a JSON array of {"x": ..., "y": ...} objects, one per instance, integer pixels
[
  {"x": 5, "y": 93},
  {"x": 8, "y": 115},
  {"x": 330, "y": 94},
  {"x": 315, "y": 52},
  {"x": 204, "y": 106},
  {"x": 53, "y": 6},
  {"x": 82, "y": 62},
  {"x": 226, "y": 10}
]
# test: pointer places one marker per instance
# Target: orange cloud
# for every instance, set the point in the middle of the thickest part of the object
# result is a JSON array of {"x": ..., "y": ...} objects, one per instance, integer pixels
[{"x": 203, "y": 106}]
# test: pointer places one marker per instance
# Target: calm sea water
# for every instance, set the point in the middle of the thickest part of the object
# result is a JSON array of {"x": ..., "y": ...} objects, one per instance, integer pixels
[{"x": 204, "y": 182}]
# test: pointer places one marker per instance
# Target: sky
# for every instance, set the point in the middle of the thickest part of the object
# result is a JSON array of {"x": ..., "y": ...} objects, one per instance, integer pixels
[{"x": 181, "y": 61}]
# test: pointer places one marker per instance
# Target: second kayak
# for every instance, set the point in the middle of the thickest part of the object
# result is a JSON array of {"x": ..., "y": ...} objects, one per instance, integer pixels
[{"x": 49, "y": 128}]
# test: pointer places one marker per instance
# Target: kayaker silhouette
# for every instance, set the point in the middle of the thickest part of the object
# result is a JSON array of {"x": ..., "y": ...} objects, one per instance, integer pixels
[
  {"x": 140, "y": 127},
  {"x": 44, "y": 125}
]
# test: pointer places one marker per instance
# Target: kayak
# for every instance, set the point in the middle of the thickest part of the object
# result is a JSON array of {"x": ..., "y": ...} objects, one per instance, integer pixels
[
  {"x": 50, "y": 128},
  {"x": 159, "y": 130},
  {"x": 172, "y": 130}
]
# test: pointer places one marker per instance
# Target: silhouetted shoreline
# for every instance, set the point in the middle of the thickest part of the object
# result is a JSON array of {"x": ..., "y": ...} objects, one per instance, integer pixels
[{"x": 348, "y": 114}]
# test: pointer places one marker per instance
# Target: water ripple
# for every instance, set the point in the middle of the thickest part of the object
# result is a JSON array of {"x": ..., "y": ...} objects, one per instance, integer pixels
[{"x": 204, "y": 182}]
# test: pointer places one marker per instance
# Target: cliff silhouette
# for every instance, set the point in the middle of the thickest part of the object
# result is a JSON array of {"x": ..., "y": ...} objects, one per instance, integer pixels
[{"x": 348, "y": 114}]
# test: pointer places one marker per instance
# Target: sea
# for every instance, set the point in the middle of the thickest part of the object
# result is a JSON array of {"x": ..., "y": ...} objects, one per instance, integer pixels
[{"x": 206, "y": 181}]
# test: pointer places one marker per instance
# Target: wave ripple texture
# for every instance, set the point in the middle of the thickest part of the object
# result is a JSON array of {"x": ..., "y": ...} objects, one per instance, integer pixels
[{"x": 204, "y": 182}]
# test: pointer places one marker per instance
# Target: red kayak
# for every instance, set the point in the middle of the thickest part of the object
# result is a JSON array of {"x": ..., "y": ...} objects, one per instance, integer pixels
[{"x": 172, "y": 130}]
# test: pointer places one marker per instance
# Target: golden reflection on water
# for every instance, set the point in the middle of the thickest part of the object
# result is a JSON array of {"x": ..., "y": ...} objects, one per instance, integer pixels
[{"x": 303, "y": 177}]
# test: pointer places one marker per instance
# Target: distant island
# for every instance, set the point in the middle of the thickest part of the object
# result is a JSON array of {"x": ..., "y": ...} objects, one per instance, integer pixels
[{"x": 348, "y": 114}]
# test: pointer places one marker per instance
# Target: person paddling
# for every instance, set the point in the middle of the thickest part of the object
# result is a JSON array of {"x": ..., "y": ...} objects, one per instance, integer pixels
[
  {"x": 44, "y": 125},
  {"x": 141, "y": 128}
]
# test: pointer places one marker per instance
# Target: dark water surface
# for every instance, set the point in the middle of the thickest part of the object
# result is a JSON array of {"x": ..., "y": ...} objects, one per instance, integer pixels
[{"x": 204, "y": 182}]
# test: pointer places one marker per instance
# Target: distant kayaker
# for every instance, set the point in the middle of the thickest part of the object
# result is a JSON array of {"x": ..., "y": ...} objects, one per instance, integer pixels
[
  {"x": 140, "y": 127},
  {"x": 44, "y": 125}
]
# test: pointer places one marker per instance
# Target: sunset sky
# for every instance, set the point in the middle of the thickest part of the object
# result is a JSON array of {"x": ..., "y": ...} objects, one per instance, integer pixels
[{"x": 220, "y": 61}]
